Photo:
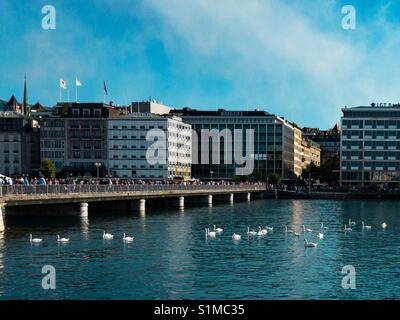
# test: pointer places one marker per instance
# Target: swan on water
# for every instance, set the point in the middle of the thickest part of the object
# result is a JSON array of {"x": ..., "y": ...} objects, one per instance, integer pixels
[
  {"x": 127, "y": 239},
  {"x": 218, "y": 230},
  {"x": 366, "y": 227},
  {"x": 288, "y": 231},
  {"x": 310, "y": 244},
  {"x": 236, "y": 236},
  {"x": 262, "y": 232},
  {"x": 347, "y": 228},
  {"x": 34, "y": 240},
  {"x": 107, "y": 236},
  {"x": 252, "y": 232},
  {"x": 211, "y": 234},
  {"x": 306, "y": 229},
  {"x": 62, "y": 239},
  {"x": 384, "y": 225}
]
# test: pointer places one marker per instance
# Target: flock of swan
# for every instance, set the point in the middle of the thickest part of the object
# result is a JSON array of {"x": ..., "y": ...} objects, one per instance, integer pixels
[
  {"x": 106, "y": 236},
  {"x": 215, "y": 232},
  {"x": 264, "y": 231}
]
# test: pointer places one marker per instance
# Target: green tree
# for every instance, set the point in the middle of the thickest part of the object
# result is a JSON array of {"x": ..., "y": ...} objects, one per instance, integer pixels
[
  {"x": 274, "y": 178},
  {"x": 48, "y": 168}
]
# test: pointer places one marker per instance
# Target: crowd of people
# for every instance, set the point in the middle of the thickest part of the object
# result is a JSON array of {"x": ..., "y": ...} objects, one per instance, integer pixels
[{"x": 24, "y": 180}]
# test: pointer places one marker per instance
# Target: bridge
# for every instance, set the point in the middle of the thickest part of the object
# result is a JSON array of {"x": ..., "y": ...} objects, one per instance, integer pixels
[{"x": 24, "y": 196}]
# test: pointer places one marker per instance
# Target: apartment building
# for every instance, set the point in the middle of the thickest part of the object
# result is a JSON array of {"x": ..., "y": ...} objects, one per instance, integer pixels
[{"x": 131, "y": 142}]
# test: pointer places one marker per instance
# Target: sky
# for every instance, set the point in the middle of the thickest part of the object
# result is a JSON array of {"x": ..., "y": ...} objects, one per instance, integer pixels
[{"x": 288, "y": 57}]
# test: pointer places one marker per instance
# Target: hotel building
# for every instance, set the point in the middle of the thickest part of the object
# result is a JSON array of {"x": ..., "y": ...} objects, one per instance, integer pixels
[
  {"x": 129, "y": 141},
  {"x": 370, "y": 144}
]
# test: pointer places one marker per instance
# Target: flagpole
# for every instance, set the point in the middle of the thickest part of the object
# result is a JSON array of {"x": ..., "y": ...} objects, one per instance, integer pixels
[
  {"x": 60, "y": 92},
  {"x": 76, "y": 92}
]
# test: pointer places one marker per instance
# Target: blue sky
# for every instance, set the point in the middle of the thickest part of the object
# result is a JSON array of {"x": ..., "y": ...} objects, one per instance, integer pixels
[{"x": 288, "y": 57}]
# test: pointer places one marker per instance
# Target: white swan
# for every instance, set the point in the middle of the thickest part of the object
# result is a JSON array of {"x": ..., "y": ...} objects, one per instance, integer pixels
[
  {"x": 236, "y": 237},
  {"x": 384, "y": 225},
  {"x": 351, "y": 223},
  {"x": 310, "y": 244},
  {"x": 252, "y": 232},
  {"x": 262, "y": 232},
  {"x": 366, "y": 227},
  {"x": 218, "y": 230},
  {"x": 306, "y": 229},
  {"x": 296, "y": 234},
  {"x": 347, "y": 228},
  {"x": 34, "y": 240},
  {"x": 269, "y": 229},
  {"x": 288, "y": 231},
  {"x": 211, "y": 234},
  {"x": 107, "y": 236},
  {"x": 127, "y": 239},
  {"x": 63, "y": 240},
  {"x": 322, "y": 226},
  {"x": 320, "y": 235}
]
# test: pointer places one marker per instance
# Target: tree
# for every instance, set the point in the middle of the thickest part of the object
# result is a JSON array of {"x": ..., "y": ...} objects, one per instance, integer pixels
[
  {"x": 274, "y": 178},
  {"x": 48, "y": 168}
]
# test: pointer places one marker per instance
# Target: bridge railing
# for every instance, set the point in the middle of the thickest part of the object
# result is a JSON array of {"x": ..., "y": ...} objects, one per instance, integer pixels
[{"x": 6, "y": 190}]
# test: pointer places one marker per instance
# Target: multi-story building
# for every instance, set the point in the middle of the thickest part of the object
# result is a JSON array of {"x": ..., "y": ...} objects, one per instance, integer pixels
[
  {"x": 273, "y": 142},
  {"x": 53, "y": 140},
  {"x": 328, "y": 140},
  {"x": 298, "y": 151},
  {"x": 75, "y": 137},
  {"x": 150, "y": 106},
  {"x": 311, "y": 153},
  {"x": 370, "y": 144},
  {"x": 19, "y": 138},
  {"x": 130, "y": 147},
  {"x": 19, "y": 144}
]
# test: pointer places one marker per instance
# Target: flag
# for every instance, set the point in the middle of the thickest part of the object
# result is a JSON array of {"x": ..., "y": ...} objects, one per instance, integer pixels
[
  {"x": 63, "y": 84},
  {"x": 78, "y": 83},
  {"x": 105, "y": 87}
]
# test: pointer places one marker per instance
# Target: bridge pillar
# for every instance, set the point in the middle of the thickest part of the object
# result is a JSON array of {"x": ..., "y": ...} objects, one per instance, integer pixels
[
  {"x": 2, "y": 211},
  {"x": 84, "y": 209},
  {"x": 142, "y": 205},
  {"x": 231, "y": 198},
  {"x": 181, "y": 202},
  {"x": 248, "y": 196},
  {"x": 210, "y": 199}
]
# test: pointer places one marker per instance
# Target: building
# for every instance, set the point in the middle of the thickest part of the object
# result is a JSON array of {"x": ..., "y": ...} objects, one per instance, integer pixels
[
  {"x": 298, "y": 151},
  {"x": 150, "y": 106},
  {"x": 19, "y": 138},
  {"x": 311, "y": 153},
  {"x": 130, "y": 141},
  {"x": 272, "y": 145},
  {"x": 328, "y": 140},
  {"x": 370, "y": 141},
  {"x": 75, "y": 137},
  {"x": 19, "y": 144}
]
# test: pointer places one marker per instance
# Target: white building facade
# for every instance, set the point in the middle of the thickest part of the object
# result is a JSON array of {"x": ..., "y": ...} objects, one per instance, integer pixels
[
  {"x": 370, "y": 144},
  {"x": 131, "y": 143}
]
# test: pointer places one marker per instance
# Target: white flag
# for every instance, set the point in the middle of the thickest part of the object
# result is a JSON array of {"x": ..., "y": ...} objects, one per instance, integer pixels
[
  {"x": 78, "y": 83},
  {"x": 63, "y": 84}
]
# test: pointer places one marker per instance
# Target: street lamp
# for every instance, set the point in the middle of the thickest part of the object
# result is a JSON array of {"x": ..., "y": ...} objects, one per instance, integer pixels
[
  {"x": 97, "y": 165},
  {"x": 211, "y": 173}
]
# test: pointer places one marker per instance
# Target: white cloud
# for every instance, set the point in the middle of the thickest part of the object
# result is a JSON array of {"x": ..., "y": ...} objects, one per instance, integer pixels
[{"x": 295, "y": 66}]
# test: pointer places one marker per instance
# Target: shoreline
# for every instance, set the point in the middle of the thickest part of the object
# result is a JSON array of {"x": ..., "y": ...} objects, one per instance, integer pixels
[{"x": 320, "y": 195}]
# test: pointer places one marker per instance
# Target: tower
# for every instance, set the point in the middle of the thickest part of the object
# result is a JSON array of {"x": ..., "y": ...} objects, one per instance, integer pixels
[{"x": 25, "y": 105}]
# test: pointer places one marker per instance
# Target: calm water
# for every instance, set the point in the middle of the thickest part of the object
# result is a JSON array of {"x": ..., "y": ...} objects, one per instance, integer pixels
[{"x": 170, "y": 258}]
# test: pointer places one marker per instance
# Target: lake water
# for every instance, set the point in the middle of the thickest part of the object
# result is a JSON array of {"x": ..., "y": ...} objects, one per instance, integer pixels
[{"x": 170, "y": 258}]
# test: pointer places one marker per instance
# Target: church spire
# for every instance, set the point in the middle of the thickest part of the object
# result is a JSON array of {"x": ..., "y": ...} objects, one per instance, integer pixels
[{"x": 25, "y": 104}]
